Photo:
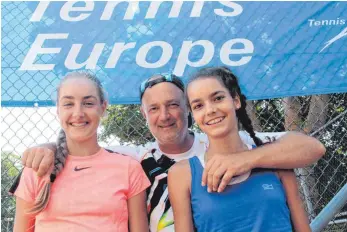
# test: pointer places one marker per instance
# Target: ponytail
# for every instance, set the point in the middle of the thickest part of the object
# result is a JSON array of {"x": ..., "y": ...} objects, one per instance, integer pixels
[
  {"x": 59, "y": 162},
  {"x": 246, "y": 122}
]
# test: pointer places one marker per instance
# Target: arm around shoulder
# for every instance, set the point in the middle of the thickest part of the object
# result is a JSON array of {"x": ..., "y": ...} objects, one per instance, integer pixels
[
  {"x": 307, "y": 146},
  {"x": 126, "y": 150},
  {"x": 292, "y": 150},
  {"x": 179, "y": 179}
]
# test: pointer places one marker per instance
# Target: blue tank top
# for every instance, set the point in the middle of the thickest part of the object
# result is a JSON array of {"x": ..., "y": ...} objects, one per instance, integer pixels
[{"x": 256, "y": 204}]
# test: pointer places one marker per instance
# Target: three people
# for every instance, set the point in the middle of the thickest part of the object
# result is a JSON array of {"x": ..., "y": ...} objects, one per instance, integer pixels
[
  {"x": 259, "y": 200},
  {"x": 87, "y": 188},
  {"x": 164, "y": 107}
]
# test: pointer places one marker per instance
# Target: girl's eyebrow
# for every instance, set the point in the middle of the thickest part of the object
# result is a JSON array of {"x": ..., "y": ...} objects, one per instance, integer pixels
[
  {"x": 211, "y": 95},
  {"x": 194, "y": 101},
  {"x": 86, "y": 97},
  {"x": 216, "y": 93}
]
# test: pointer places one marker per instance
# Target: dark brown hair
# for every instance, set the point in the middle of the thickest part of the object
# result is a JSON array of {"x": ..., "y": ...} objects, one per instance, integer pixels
[{"x": 229, "y": 80}]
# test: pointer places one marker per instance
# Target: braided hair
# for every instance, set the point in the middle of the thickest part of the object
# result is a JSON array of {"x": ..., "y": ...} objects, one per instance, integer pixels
[
  {"x": 62, "y": 151},
  {"x": 229, "y": 80},
  {"x": 59, "y": 162}
]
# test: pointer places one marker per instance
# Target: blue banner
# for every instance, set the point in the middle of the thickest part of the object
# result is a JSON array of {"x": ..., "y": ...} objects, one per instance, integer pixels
[{"x": 276, "y": 49}]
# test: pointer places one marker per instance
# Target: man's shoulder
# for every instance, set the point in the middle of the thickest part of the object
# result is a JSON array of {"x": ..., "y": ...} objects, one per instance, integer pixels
[
  {"x": 204, "y": 137},
  {"x": 149, "y": 146},
  {"x": 132, "y": 151},
  {"x": 111, "y": 158}
]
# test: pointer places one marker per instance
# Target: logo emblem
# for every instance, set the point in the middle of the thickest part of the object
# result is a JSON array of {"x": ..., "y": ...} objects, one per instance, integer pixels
[
  {"x": 267, "y": 187},
  {"x": 342, "y": 34},
  {"x": 79, "y": 169}
]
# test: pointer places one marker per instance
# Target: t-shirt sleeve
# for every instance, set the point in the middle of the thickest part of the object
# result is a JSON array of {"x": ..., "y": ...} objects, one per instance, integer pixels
[
  {"x": 138, "y": 180},
  {"x": 29, "y": 185},
  {"x": 133, "y": 152}
]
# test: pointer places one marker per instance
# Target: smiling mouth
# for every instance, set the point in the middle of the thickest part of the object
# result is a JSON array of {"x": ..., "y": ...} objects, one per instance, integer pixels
[
  {"x": 167, "y": 126},
  {"x": 215, "y": 121},
  {"x": 78, "y": 124}
]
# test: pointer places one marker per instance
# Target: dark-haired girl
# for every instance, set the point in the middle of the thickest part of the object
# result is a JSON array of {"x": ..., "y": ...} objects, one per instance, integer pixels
[{"x": 262, "y": 200}]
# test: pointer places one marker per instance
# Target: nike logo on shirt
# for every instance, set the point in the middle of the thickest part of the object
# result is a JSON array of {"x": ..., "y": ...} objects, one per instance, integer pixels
[{"x": 79, "y": 169}]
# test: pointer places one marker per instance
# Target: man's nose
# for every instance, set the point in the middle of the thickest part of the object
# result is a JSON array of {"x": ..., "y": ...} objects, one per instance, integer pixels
[{"x": 164, "y": 114}]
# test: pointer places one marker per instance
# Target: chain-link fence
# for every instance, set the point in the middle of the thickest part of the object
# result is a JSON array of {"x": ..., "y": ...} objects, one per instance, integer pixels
[{"x": 323, "y": 116}]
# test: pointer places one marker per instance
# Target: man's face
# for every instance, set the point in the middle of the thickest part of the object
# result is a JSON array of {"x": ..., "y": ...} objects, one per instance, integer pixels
[{"x": 165, "y": 110}]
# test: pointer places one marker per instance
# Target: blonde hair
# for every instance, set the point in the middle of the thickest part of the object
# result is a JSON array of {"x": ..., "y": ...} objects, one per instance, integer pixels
[
  {"x": 61, "y": 154},
  {"x": 62, "y": 151},
  {"x": 87, "y": 75}
]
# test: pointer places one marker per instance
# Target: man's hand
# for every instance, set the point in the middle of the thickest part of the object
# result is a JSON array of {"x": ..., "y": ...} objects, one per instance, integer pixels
[
  {"x": 292, "y": 150},
  {"x": 220, "y": 169},
  {"x": 38, "y": 158}
]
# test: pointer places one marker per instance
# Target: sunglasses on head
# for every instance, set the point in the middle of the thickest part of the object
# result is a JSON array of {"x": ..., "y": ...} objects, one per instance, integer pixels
[
  {"x": 156, "y": 79},
  {"x": 165, "y": 77}
]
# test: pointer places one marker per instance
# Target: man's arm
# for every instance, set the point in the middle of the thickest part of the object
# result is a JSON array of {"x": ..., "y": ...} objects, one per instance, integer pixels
[
  {"x": 292, "y": 150},
  {"x": 134, "y": 152},
  {"x": 41, "y": 157}
]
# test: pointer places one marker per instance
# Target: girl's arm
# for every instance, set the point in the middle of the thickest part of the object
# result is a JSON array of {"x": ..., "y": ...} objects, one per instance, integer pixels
[
  {"x": 179, "y": 181},
  {"x": 138, "y": 221},
  {"x": 297, "y": 212},
  {"x": 23, "y": 222}
]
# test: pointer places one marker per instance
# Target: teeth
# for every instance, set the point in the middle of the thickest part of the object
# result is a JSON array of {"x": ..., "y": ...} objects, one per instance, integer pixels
[
  {"x": 78, "y": 124},
  {"x": 214, "y": 121}
]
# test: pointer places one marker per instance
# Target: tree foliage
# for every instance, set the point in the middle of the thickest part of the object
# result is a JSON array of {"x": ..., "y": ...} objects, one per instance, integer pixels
[
  {"x": 313, "y": 114},
  {"x": 126, "y": 123},
  {"x": 9, "y": 172}
]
